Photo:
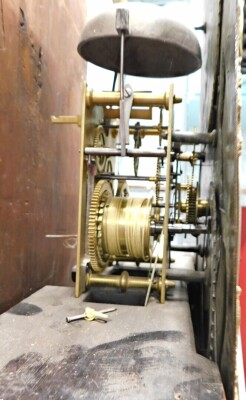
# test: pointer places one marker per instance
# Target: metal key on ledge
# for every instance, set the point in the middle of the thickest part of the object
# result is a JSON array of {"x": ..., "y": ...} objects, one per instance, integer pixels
[{"x": 90, "y": 314}]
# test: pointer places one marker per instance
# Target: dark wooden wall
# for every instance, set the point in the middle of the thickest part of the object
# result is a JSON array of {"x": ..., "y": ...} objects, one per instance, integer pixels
[
  {"x": 40, "y": 75},
  {"x": 221, "y": 97}
]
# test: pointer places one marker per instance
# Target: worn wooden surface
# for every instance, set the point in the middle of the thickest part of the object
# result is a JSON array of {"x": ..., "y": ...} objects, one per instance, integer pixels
[
  {"x": 40, "y": 75},
  {"x": 221, "y": 108},
  {"x": 210, "y": 63},
  {"x": 227, "y": 182},
  {"x": 140, "y": 353}
]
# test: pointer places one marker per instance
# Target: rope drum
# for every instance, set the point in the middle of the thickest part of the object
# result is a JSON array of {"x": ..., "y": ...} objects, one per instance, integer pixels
[{"x": 126, "y": 227}]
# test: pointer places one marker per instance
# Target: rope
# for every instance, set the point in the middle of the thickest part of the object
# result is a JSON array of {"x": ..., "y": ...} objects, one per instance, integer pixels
[
  {"x": 154, "y": 268},
  {"x": 70, "y": 243}
]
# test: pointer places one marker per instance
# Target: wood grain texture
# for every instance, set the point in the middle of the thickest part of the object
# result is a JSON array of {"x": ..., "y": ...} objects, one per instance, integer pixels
[
  {"x": 227, "y": 183},
  {"x": 221, "y": 111},
  {"x": 40, "y": 75}
]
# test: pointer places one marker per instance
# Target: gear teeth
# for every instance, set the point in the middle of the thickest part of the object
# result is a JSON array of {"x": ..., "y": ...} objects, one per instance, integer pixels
[
  {"x": 157, "y": 184},
  {"x": 191, "y": 204},
  {"x": 102, "y": 192},
  {"x": 99, "y": 141}
]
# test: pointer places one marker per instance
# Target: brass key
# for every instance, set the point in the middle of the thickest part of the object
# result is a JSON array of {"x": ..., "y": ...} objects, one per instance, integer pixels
[{"x": 90, "y": 314}]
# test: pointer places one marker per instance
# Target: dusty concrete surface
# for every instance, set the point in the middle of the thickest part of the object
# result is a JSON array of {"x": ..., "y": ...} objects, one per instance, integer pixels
[
  {"x": 40, "y": 75},
  {"x": 132, "y": 356}
]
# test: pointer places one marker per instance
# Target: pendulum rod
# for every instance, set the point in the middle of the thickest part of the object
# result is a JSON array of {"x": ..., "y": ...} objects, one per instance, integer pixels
[{"x": 122, "y": 27}]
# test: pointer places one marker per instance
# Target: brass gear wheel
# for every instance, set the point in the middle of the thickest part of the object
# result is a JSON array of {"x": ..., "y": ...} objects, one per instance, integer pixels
[
  {"x": 191, "y": 204},
  {"x": 109, "y": 166},
  {"x": 102, "y": 192},
  {"x": 99, "y": 141},
  {"x": 122, "y": 190},
  {"x": 157, "y": 182}
]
